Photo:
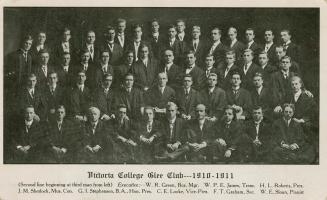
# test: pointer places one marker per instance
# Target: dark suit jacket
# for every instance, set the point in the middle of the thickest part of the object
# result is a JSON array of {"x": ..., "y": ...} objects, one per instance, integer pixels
[
  {"x": 179, "y": 48},
  {"x": 267, "y": 72},
  {"x": 130, "y": 47},
  {"x": 265, "y": 100},
  {"x": 198, "y": 76},
  {"x": 116, "y": 54},
  {"x": 120, "y": 71},
  {"x": 124, "y": 129},
  {"x": 195, "y": 135},
  {"x": 145, "y": 76},
  {"x": 247, "y": 79},
  {"x": 187, "y": 104},
  {"x": 218, "y": 53},
  {"x": 264, "y": 135},
  {"x": 133, "y": 101},
  {"x": 90, "y": 74},
  {"x": 59, "y": 97},
  {"x": 126, "y": 41},
  {"x": 155, "y": 98},
  {"x": 199, "y": 51},
  {"x": 238, "y": 48},
  {"x": 58, "y": 51},
  {"x": 178, "y": 131},
  {"x": 98, "y": 78},
  {"x": 100, "y": 137},
  {"x": 141, "y": 129},
  {"x": 79, "y": 102},
  {"x": 271, "y": 53},
  {"x": 157, "y": 46},
  {"x": 242, "y": 98},
  {"x": 281, "y": 86},
  {"x": 231, "y": 134},
  {"x": 41, "y": 78},
  {"x": 293, "y": 51},
  {"x": 96, "y": 54},
  {"x": 35, "y": 53},
  {"x": 215, "y": 102},
  {"x": 66, "y": 79},
  {"x": 104, "y": 102},
  {"x": 173, "y": 75},
  {"x": 256, "y": 48},
  {"x": 224, "y": 82}
]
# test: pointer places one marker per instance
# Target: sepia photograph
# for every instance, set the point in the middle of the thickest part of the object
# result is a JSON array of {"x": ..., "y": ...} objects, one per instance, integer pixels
[{"x": 161, "y": 85}]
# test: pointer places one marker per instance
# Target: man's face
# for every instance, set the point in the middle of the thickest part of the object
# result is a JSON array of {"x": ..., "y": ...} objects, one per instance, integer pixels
[
  {"x": 90, "y": 38},
  {"x": 162, "y": 79},
  {"x": 228, "y": 115},
  {"x": 169, "y": 56},
  {"x": 249, "y": 35},
  {"x": 138, "y": 33},
  {"x": 236, "y": 80},
  {"x": 94, "y": 115},
  {"x": 149, "y": 115},
  {"x": 285, "y": 36},
  {"x": 257, "y": 81},
  {"x": 121, "y": 27},
  {"x": 29, "y": 114},
  {"x": 110, "y": 35},
  {"x": 232, "y": 35},
  {"x": 230, "y": 59},
  {"x": 187, "y": 82},
  {"x": 200, "y": 112},
  {"x": 196, "y": 33},
  {"x": 285, "y": 64},
  {"x": 257, "y": 115},
  {"x": 269, "y": 37},
  {"x": 215, "y": 35},
  {"x": 190, "y": 59},
  {"x": 155, "y": 27},
  {"x": 280, "y": 52},
  {"x": 53, "y": 79},
  {"x": 27, "y": 45},
  {"x": 296, "y": 85},
  {"x": 66, "y": 36},
  {"x": 180, "y": 27},
  {"x": 172, "y": 33},
  {"x": 60, "y": 113},
  {"x": 85, "y": 57},
  {"x": 66, "y": 59},
  {"x": 107, "y": 81},
  {"x": 247, "y": 57},
  {"x": 209, "y": 61},
  {"x": 122, "y": 113},
  {"x": 171, "y": 112},
  {"x": 212, "y": 81},
  {"x": 129, "y": 81},
  {"x": 288, "y": 113},
  {"x": 44, "y": 58},
  {"x": 81, "y": 78},
  {"x": 130, "y": 58},
  {"x": 105, "y": 57},
  {"x": 263, "y": 59},
  {"x": 144, "y": 53},
  {"x": 41, "y": 38},
  {"x": 31, "y": 82}
]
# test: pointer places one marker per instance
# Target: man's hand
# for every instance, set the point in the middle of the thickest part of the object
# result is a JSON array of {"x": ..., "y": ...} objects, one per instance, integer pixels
[
  {"x": 56, "y": 149},
  {"x": 63, "y": 150},
  {"x": 285, "y": 146},
  {"x": 299, "y": 120},
  {"x": 89, "y": 148},
  {"x": 294, "y": 146},
  {"x": 52, "y": 111},
  {"x": 222, "y": 142},
  {"x": 79, "y": 118},
  {"x": 198, "y": 147},
  {"x": 308, "y": 93},
  {"x": 96, "y": 148},
  {"x": 175, "y": 146},
  {"x": 36, "y": 118},
  {"x": 228, "y": 153},
  {"x": 257, "y": 142},
  {"x": 170, "y": 146},
  {"x": 131, "y": 142},
  {"x": 105, "y": 117}
]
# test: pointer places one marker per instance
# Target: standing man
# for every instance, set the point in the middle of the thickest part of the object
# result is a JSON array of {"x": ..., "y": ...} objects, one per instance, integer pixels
[
  {"x": 178, "y": 47},
  {"x": 43, "y": 70},
  {"x": 171, "y": 69},
  {"x": 249, "y": 68},
  {"x": 40, "y": 44},
  {"x": 103, "y": 68},
  {"x": 227, "y": 69},
  {"x": 292, "y": 49},
  {"x": 155, "y": 39},
  {"x": 137, "y": 42},
  {"x": 64, "y": 45},
  {"x": 235, "y": 45},
  {"x": 121, "y": 37},
  {"x": 114, "y": 49},
  {"x": 65, "y": 71},
  {"x": 121, "y": 70},
  {"x": 216, "y": 48},
  {"x": 91, "y": 47},
  {"x": 198, "y": 46},
  {"x": 250, "y": 43},
  {"x": 269, "y": 46}
]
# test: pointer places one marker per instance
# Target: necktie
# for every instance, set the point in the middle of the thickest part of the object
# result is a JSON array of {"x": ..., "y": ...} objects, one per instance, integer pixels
[
  {"x": 266, "y": 48},
  {"x": 93, "y": 128},
  {"x": 195, "y": 46},
  {"x": 180, "y": 37},
  {"x": 212, "y": 48},
  {"x": 32, "y": 94},
  {"x": 145, "y": 63},
  {"x": 285, "y": 46},
  {"x": 25, "y": 55},
  {"x": 149, "y": 128},
  {"x": 28, "y": 128},
  {"x": 59, "y": 126},
  {"x": 257, "y": 125},
  {"x": 227, "y": 126},
  {"x": 245, "y": 69},
  {"x": 171, "y": 127},
  {"x": 171, "y": 43},
  {"x": 111, "y": 46},
  {"x": 226, "y": 72},
  {"x": 52, "y": 91},
  {"x": 66, "y": 69},
  {"x": 91, "y": 50},
  {"x": 44, "y": 69},
  {"x": 207, "y": 72}
]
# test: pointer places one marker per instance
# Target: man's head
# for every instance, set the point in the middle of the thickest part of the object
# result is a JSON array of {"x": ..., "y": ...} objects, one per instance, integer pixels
[
  {"x": 81, "y": 77},
  {"x": 215, "y": 34},
  {"x": 31, "y": 81},
  {"x": 155, "y": 26},
  {"x": 29, "y": 113},
  {"x": 230, "y": 57},
  {"x": 66, "y": 34},
  {"x": 258, "y": 80},
  {"x": 122, "y": 111},
  {"x": 269, "y": 36},
  {"x": 236, "y": 79},
  {"x": 121, "y": 25},
  {"x": 280, "y": 52},
  {"x": 107, "y": 80},
  {"x": 93, "y": 114},
  {"x": 200, "y": 111},
  {"x": 288, "y": 111},
  {"x": 105, "y": 57},
  {"x": 60, "y": 112},
  {"x": 196, "y": 32},
  {"x": 129, "y": 80},
  {"x": 137, "y": 31},
  {"x": 53, "y": 78},
  {"x": 144, "y": 52},
  {"x": 129, "y": 57},
  {"x": 149, "y": 113},
  {"x": 249, "y": 35},
  {"x": 190, "y": 58},
  {"x": 209, "y": 61},
  {"x": 297, "y": 84},
  {"x": 263, "y": 58},
  {"x": 248, "y": 55},
  {"x": 27, "y": 42},
  {"x": 171, "y": 110},
  {"x": 180, "y": 25},
  {"x": 257, "y": 114},
  {"x": 66, "y": 58},
  {"x": 109, "y": 33},
  {"x": 212, "y": 80},
  {"x": 232, "y": 33},
  {"x": 229, "y": 114},
  {"x": 44, "y": 57},
  {"x": 41, "y": 37},
  {"x": 169, "y": 56},
  {"x": 285, "y": 63},
  {"x": 162, "y": 79},
  {"x": 187, "y": 81},
  {"x": 172, "y": 31},
  {"x": 285, "y": 35},
  {"x": 90, "y": 37},
  {"x": 85, "y": 56}
]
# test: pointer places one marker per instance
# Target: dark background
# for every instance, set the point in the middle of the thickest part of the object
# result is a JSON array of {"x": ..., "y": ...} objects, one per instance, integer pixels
[{"x": 303, "y": 23}]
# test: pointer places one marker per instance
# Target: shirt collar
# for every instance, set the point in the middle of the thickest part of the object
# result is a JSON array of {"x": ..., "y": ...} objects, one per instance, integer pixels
[
  {"x": 298, "y": 93},
  {"x": 250, "y": 43},
  {"x": 288, "y": 42},
  {"x": 28, "y": 123}
]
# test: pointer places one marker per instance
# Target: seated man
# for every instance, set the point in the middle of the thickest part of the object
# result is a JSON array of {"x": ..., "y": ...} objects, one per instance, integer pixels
[
  {"x": 226, "y": 69},
  {"x": 103, "y": 68},
  {"x": 259, "y": 133},
  {"x": 149, "y": 132},
  {"x": 173, "y": 127},
  {"x": 290, "y": 146},
  {"x": 214, "y": 98},
  {"x": 196, "y": 138},
  {"x": 97, "y": 143},
  {"x": 64, "y": 138},
  {"x": 29, "y": 139},
  {"x": 121, "y": 125},
  {"x": 227, "y": 137}
]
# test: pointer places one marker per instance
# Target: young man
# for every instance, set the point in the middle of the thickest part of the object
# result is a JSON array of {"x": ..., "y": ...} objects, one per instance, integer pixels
[
  {"x": 209, "y": 66},
  {"x": 198, "y": 46},
  {"x": 64, "y": 45},
  {"x": 103, "y": 68},
  {"x": 121, "y": 37},
  {"x": 87, "y": 66},
  {"x": 137, "y": 42},
  {"x": 171, "y": 69},
  {"x": 269, "y": 46},
  {"x": 214, "y": 98},
  {"x": 121, "y": 70},
  {"x": 65, "y": 71},
  {"x": 217, "y": 48},
  {"x": 280, "y": 53},
  {"x": 114, "y": 49},
  {"x": 226, "y": 70},
  {"x": 43, "y": 70},
  {"x": 265, "y": 66},
  {"x": 178, "y": 47},
  {"x": 40, "y": 44},
  {"x": 180, "y": 27},
  {"x": 235, "y": 45},
  {"x": 250, "y": 43},
  {"x": 248, "y": 69},
  {"x": 292, "y": 49},
  {"x": 155, "y": 39},
  {"x": 91, "y": 47}
]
